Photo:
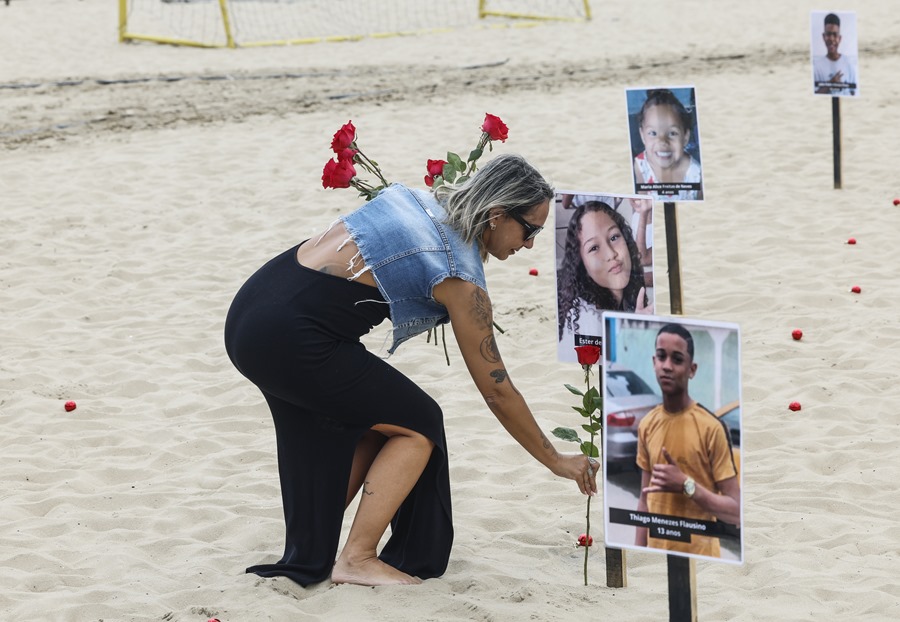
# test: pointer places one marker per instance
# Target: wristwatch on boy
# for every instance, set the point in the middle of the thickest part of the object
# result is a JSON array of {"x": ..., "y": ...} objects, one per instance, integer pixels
[{"x": 689, "y": 487}]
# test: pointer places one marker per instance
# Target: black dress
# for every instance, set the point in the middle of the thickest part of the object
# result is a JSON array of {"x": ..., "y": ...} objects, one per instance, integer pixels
[{"x": 295, "y": 333}]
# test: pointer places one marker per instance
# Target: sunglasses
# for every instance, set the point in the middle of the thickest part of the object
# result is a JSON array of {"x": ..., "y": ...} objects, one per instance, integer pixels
[{"x": 530, "y": 229}]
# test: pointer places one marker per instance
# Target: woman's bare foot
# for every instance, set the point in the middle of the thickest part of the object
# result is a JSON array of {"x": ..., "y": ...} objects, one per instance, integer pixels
[{"x": 370, "y": 571}]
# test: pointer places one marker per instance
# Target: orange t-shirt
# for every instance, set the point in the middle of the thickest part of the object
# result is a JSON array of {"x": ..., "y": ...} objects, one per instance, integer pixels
[{"x": 698, "y": 442}]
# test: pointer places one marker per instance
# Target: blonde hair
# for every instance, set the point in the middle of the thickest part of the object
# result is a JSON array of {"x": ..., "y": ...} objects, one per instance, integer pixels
[{"x": 508, "y": 182}]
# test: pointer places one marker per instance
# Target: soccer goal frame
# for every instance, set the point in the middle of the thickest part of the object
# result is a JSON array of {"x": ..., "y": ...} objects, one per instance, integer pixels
[
  {"x": 483, "y": 12},
  {"x": 226, "y": 36}
]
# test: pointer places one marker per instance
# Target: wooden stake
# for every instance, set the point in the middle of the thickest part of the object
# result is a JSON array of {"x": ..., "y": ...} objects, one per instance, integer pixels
[
  {"x": 615, "y": 558},
  {"x": 836, "y": 129},
  {"x": 615, "y": 568},
  {"x": 682, "y": 589},
  {"x": 675, "y": 298},
  {"x": 682, "y": 571}
]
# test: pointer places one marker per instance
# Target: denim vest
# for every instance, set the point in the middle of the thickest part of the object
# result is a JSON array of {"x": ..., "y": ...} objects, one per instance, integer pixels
[{"x": 404, "y": 242}]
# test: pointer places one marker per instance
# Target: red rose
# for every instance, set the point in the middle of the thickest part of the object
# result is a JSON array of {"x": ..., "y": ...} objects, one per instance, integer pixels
[
  {"x": 70, "y": 406},
  {"x": 344, "y": 137},
  {"x": 588, "y": 355},
  {"x": 495, "y": 128},
  {"x": 347, "y": 154},
  {"x": 585, "y": 540},
  {"x": 435, "y": 168},
  {"x": 337, "y": 174}
]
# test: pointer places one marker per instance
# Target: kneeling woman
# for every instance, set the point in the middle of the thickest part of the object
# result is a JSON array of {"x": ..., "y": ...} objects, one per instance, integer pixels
[{"x": 345, "y": 419}]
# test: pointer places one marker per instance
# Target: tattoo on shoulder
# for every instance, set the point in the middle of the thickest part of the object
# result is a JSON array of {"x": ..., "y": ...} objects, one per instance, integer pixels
[
  {"x": 489, "y": 350},
  {"x": 481, "y": 308}
]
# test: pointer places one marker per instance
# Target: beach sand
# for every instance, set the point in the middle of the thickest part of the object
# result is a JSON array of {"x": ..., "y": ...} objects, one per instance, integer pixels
[{"x": 133, "y": 211}]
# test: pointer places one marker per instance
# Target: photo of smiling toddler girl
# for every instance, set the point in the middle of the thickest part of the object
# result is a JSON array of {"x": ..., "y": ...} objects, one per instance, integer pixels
[{"x": 665, "y": 143}]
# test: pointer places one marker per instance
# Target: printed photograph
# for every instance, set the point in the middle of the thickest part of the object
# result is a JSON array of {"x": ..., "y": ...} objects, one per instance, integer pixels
[
  {"x": 672, "y": 441},
  {"x": 665, "y": 143},
  {"x": 834, "y": 53},
  {"x": 604, "y": 262}
]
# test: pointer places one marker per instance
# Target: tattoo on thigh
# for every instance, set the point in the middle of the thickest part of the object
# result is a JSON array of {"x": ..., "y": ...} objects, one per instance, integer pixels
[
  {"x": 366, "y": 490},
  {"x": 489, "y": 350},
  {"x": 481, "y": 308}
]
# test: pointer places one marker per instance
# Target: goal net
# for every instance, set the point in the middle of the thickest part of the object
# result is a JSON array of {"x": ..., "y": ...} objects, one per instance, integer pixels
[{"x": 245, "y": 23}]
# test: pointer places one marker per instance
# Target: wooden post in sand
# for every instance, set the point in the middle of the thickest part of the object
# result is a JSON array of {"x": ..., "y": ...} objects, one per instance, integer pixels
[
  {"x": 836, "y": 130},
  {"x": 615, "y": 558},
  {"x": 682, "y": 589},
  {"x": 682, "y": 570},
  {"x": 615, "y": 568},
  {"x": 675, "y": 299}
]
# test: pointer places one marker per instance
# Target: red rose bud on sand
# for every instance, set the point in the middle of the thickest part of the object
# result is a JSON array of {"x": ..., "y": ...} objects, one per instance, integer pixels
[
  {"x": 795, "y": 406},
  {"x": 856, "y": 289},
  {"x": 213, "y": 620},
  {"x": 896, "y": 201},
  {"x": 533, "y": 272},
  {"x": 851, "y": 241},
  {"x": 797, "y": 334},
  {"x": 585, "y": 540},
  {"x": 70, "y": 406}
]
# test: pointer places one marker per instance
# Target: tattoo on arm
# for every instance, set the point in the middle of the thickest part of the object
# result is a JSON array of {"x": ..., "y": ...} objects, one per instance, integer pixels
[
  {"x": 481, "y": 308},
  {"x": 500, "y": 375},
  {"x": 366, "y": 490},
  {"x": 489, "y": 350},
  {"x": 547, "y": 444}
]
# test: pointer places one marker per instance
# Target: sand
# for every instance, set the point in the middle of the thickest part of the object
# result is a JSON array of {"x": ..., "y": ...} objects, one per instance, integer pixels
[{"x": 133, "y": 211}]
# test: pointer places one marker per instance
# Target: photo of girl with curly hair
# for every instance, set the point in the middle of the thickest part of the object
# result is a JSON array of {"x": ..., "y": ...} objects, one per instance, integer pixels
[{"x": 601, "y": 264}]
